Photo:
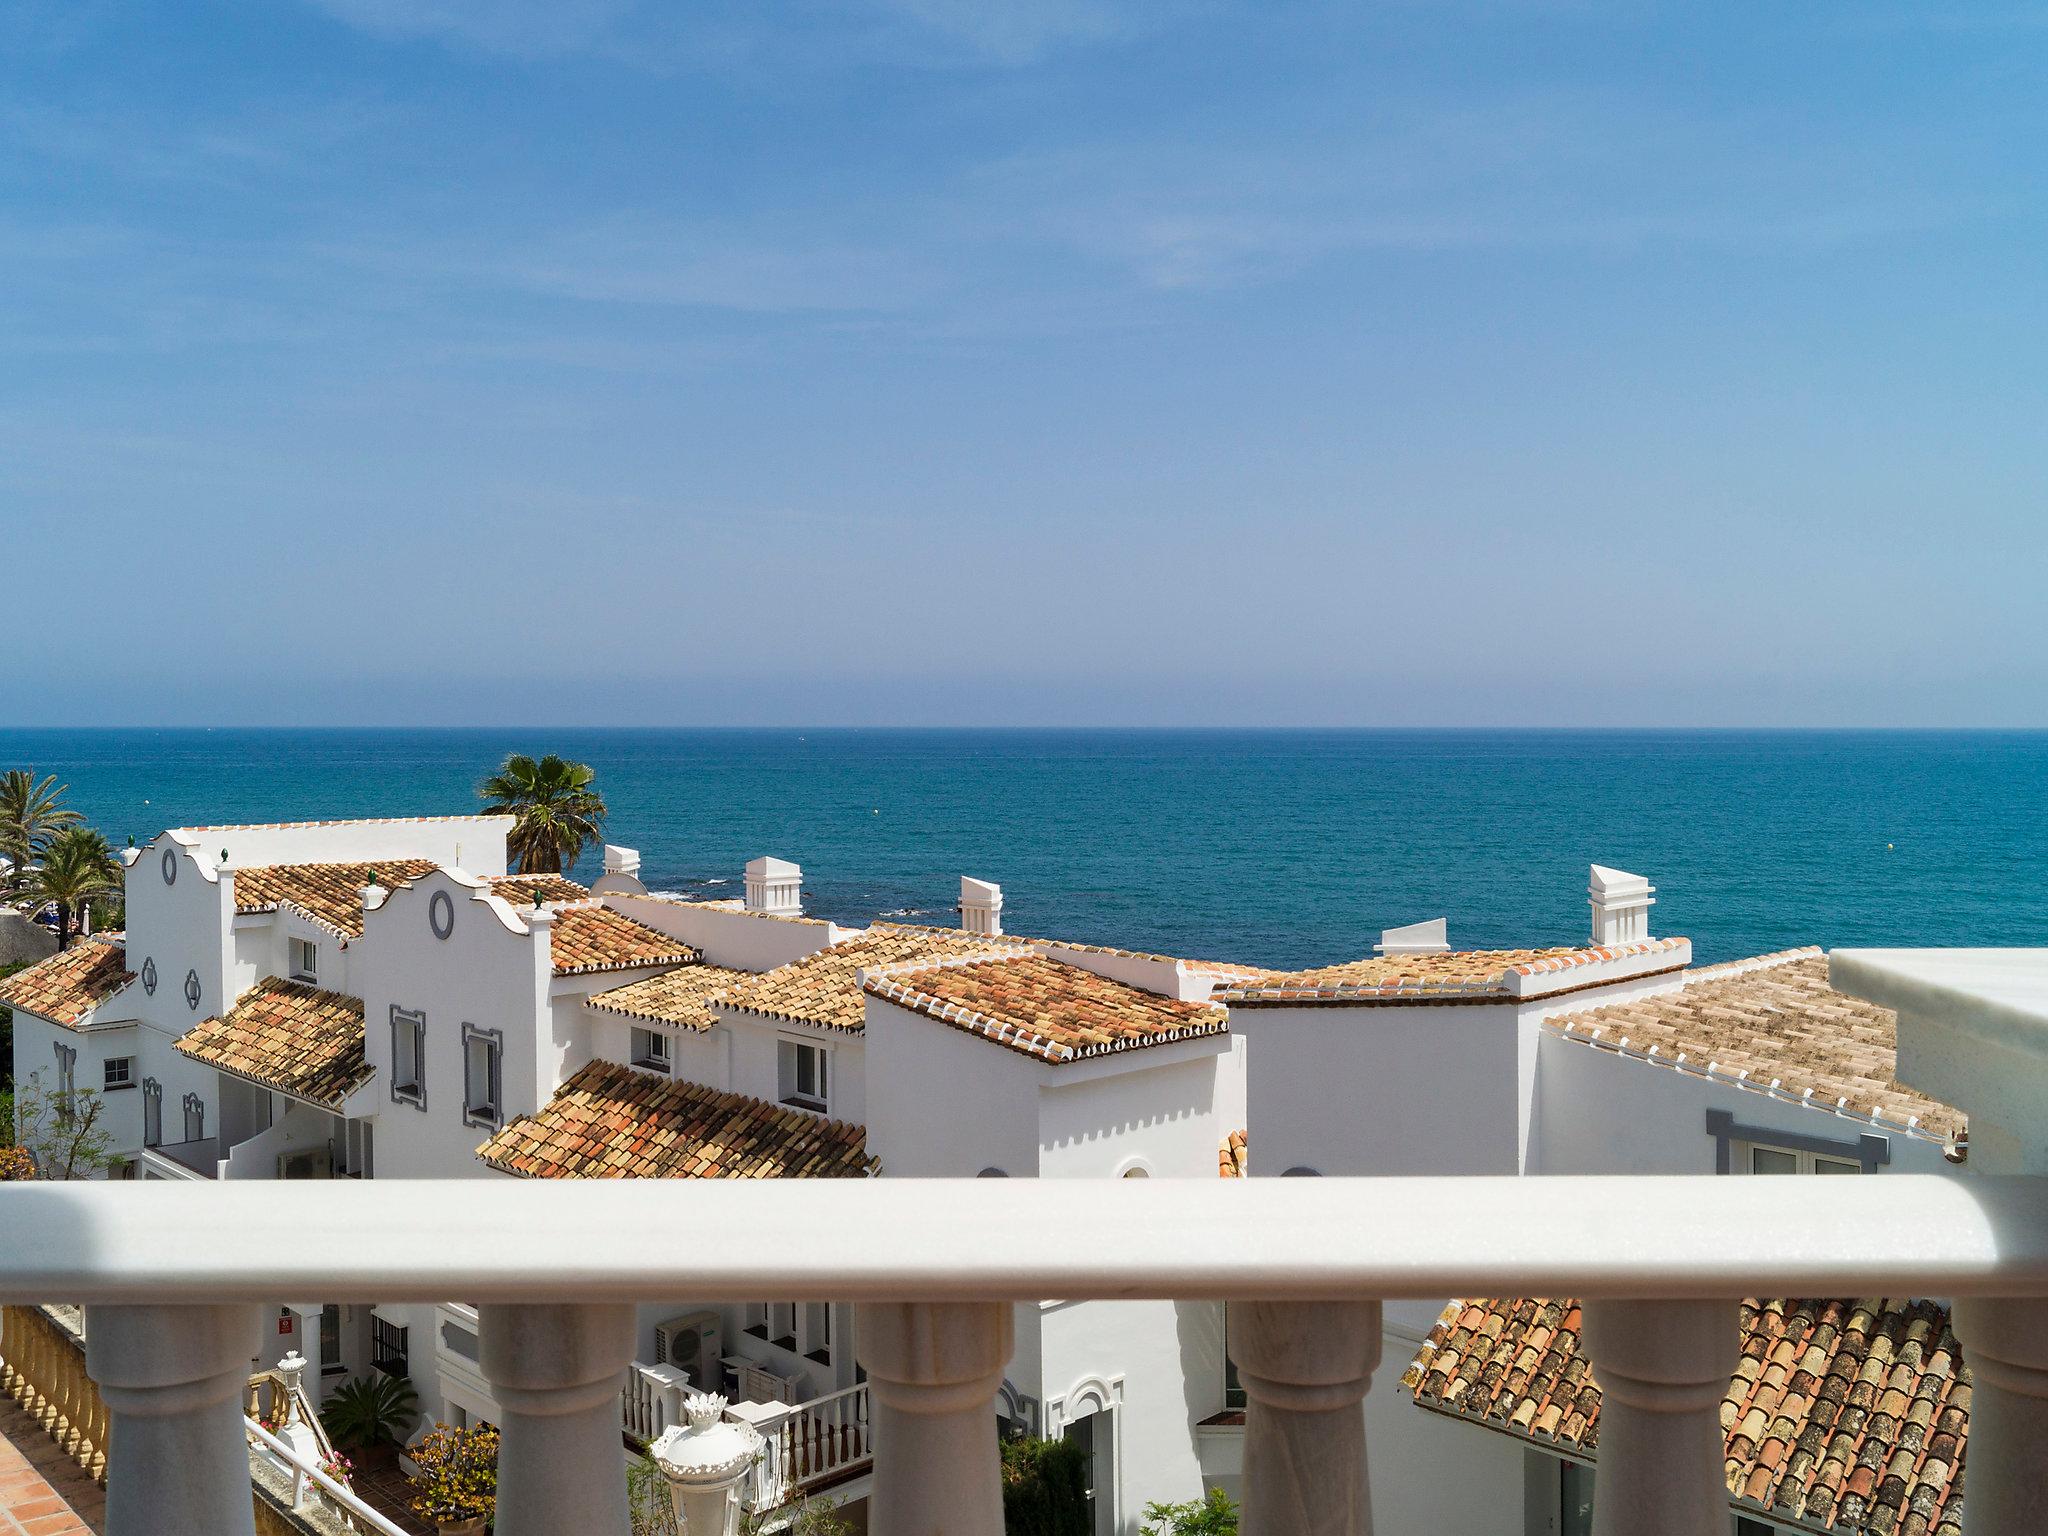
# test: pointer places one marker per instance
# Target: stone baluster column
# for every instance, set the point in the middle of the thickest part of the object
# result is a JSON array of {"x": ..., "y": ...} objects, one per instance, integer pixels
[
  {"x": 1306, "y": 1367},
  {"x": 172, "y": 1378},
  {"x": 933, "y": 1370},
  {"x": 1663, "y": 1369},
  {"x": 2005, "y": 1343},
  {"x": 557, "y": 1372}
]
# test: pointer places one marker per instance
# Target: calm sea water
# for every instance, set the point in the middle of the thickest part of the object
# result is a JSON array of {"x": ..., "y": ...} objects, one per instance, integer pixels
[{"x": 1277, "y": 847}]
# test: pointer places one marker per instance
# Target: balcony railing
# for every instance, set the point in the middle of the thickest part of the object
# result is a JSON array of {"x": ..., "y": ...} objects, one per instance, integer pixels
[{"x": 173, "y": 1275}]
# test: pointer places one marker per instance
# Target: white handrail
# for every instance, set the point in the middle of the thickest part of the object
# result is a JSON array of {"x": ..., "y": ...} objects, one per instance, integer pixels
[
  {"x": 1022, "y": 1239},
  {"x": 335, "y": 1491}
]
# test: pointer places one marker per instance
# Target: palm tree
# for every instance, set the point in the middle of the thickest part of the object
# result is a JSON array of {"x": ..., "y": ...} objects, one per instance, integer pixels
[
  {"x": 557, "y": 810},
  {"x": 31, "y": 813},
  {"x": 77, "y": 866}
]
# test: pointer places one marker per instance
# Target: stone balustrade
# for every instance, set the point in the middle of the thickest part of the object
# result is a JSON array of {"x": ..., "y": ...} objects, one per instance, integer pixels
[
  {"x": 42, "y": 1367},
  {"x": 173, "y": 1277}
]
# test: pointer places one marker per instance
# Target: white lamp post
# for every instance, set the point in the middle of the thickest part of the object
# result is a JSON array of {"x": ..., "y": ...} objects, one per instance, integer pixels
[{"x": 705, "y": 1461}]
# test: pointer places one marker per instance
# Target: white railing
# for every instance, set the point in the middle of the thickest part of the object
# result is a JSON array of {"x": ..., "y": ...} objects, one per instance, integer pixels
[
  {"x": 807, "y": 1446},
  {"x": 174, "y": 1275},
  {"x": 652, "y": 1399},
  {"x": 305, "y": 1476}
]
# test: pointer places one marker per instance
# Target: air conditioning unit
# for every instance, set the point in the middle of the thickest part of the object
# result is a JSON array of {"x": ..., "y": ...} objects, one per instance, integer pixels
[{"x": 692, "y": 1343}]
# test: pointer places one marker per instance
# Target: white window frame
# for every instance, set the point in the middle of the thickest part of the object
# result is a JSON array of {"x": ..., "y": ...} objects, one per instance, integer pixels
[
  {"x": 791, "y": 1055},
  {"x": 408, "y": 1040},
  {"x": 652, "y": 1050},
  {"x": 302, "y": 960},
  {"x": 111, "y": 1080},
  {"x": 815, "y": 1342},
  {"x": 1803, "y": 1160},
  {"x": 483, "y": 1103}
]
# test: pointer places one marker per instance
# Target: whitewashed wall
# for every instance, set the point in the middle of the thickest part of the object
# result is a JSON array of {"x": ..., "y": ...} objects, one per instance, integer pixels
[
  {"x": 490, "y": 971},
  {"x": 942, "y": 1104},
  {"x": 730, "y": 936}
]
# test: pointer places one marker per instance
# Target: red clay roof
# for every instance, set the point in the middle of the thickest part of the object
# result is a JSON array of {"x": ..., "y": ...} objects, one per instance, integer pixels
[
  {"x": 596, "y": 938},
  {"x": 1233, "y": 1158},
  {"x": 611, "y": 1122},
  {"x": 824, "y": 988},
  {"x": 330, "y": 894},
  {"x": 1851, "y": 1416},
  {"x": 1471, "y": 973},
  {"x": 1043, "y": 1008},
  {"x": 68, "y": 985},
  {"x": 297, "y": 1039}
]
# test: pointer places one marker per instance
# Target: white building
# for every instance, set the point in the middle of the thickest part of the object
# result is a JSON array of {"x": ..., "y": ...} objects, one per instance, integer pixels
[{"x": 381, "y": 1000}]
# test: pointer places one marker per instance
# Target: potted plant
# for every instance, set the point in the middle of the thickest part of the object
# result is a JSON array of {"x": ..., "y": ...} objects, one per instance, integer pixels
[
  {"x": 371, "y": 1416},
  {"x": 456, "y": 1485}
]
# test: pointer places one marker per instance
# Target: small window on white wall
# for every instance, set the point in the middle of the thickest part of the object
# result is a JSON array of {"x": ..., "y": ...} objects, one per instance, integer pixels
[
  {"x": 803, "y": 1073},
  {"x": 1756, "y": 1158},
  {"x": 409, "y": 1057},
  {"x": 483, "y": 1054},
  {"x": 305, "y": 960},
  {"x": 119, "y": 1072},
  {"x": 651, "y": 1050}
]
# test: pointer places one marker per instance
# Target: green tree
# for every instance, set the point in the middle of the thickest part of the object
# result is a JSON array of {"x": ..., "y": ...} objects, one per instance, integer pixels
[
  {"x": 77, "y": 867},
  {"x": 61, "y": 1129},
  {"x": 32, "y": 812},
  {"x": 7, "y": 1052},
  {"x": 1045, "y": 1489},
  {"x": 555, "y": 809},
  {"x": 1214, "y": 1514}
]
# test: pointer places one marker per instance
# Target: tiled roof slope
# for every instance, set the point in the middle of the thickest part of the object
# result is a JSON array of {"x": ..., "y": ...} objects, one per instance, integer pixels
[
  {"x": 1043, "y": 1008},
  {"x": 1458, "y": 973},
  {"x": 596, "y": 938},
  {"x": 330, "y": 894},
  {"x": 520, "y": 890},
  {"x": 610, "y": 1122},
  {"x": 1233, "y": 1157},
  {"x": 296, "y": 1039},
  {"x": 68, "y": 985},
  {"x": 1851, "y": 1416},
  {"x": 824, "y": 988},
  {"x": 1777, "y": 1017},
  {"x": 681, "y": 997}
]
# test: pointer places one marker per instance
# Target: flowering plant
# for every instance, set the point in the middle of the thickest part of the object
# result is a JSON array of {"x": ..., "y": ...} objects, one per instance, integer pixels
[
  {"x": 15, "y": 1164},
  {"x": 339, "y": 1467},
  {"x": 458, "y": 1474}
]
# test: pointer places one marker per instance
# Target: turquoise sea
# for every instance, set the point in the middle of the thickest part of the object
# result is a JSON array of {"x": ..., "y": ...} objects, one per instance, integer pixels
[{"x": 1276, "y": 847}]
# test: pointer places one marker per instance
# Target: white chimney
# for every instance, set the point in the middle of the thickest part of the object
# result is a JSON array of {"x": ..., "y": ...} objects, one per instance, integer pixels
[
  {"x": 1430, "y": 938},
  {"x": 981, "y": 907},
  {"x": 775, "y": 886},
  {"x": 621, "y": 861},
  {"x": 1621, "y": 905}
]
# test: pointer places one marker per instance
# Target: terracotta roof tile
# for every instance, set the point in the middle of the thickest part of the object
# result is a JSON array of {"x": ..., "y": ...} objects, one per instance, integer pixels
[
  {"x": 68, "y": 985},
  {"x": 681, "y": 997},
  {"x": 1777, "y": 1017},
  {"x": 1826, "y": 1416},
  {"x": 611, "y": 1122},
  {"x": 296, "y": 1039},
  {"x": 824, "y": 988},
  {"x": 330, "y": 894},
  {"x": 1480, "y": 973},
  {"x": 1043, "y": 1008},
  {"x": 595, "y": 938},
  {"x": 1233, "y": 1157},
  {"x": 520, "y": 890}
]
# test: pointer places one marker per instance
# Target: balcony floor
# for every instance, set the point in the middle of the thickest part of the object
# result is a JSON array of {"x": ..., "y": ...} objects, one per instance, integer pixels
[{"x": 43, "y": 1492}]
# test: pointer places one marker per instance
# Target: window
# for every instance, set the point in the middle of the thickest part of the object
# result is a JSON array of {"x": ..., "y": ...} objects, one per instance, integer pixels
[
  {"x": 1744, "y": 1526},
  {"x": 67, "y": 1080},
  {"x": 1233, "y": 1389},
  {"x": 1761, "y": 1159},
  {"x": 304, "y": 960},
  {"x": 650, "y": 1050},
  {"x": 388, "y": 1349},
  {"x": 803, "y": 1069},
  {"x": 119, "y": 1072},
  {"x": 1137, "y": 1171},
  {"x": 1575, "y": 1500},
  {"x": 330, "y": 1341},
  {"x": 152, "y": 1112},
  {"x": 358, "y": 1150},
  {"x": 408, "y": 1057},
  {"x": 195, "y": 1117},
  {"x": 483, "y": 1054},
  {"x": 782, "y": 1324},
  {"x": 757, "y": 1319}
]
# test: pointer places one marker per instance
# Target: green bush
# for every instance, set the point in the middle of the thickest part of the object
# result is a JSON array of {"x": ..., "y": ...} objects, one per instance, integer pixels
[
  {"x": 369, "y": 1411},
  {"x": 1214, "y": 1514},
  {"x": 1045, "y": 1489}
]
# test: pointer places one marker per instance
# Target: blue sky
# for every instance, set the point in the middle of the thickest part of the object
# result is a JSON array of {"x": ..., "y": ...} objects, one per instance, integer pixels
[{"x": 1075, "y": 361}]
